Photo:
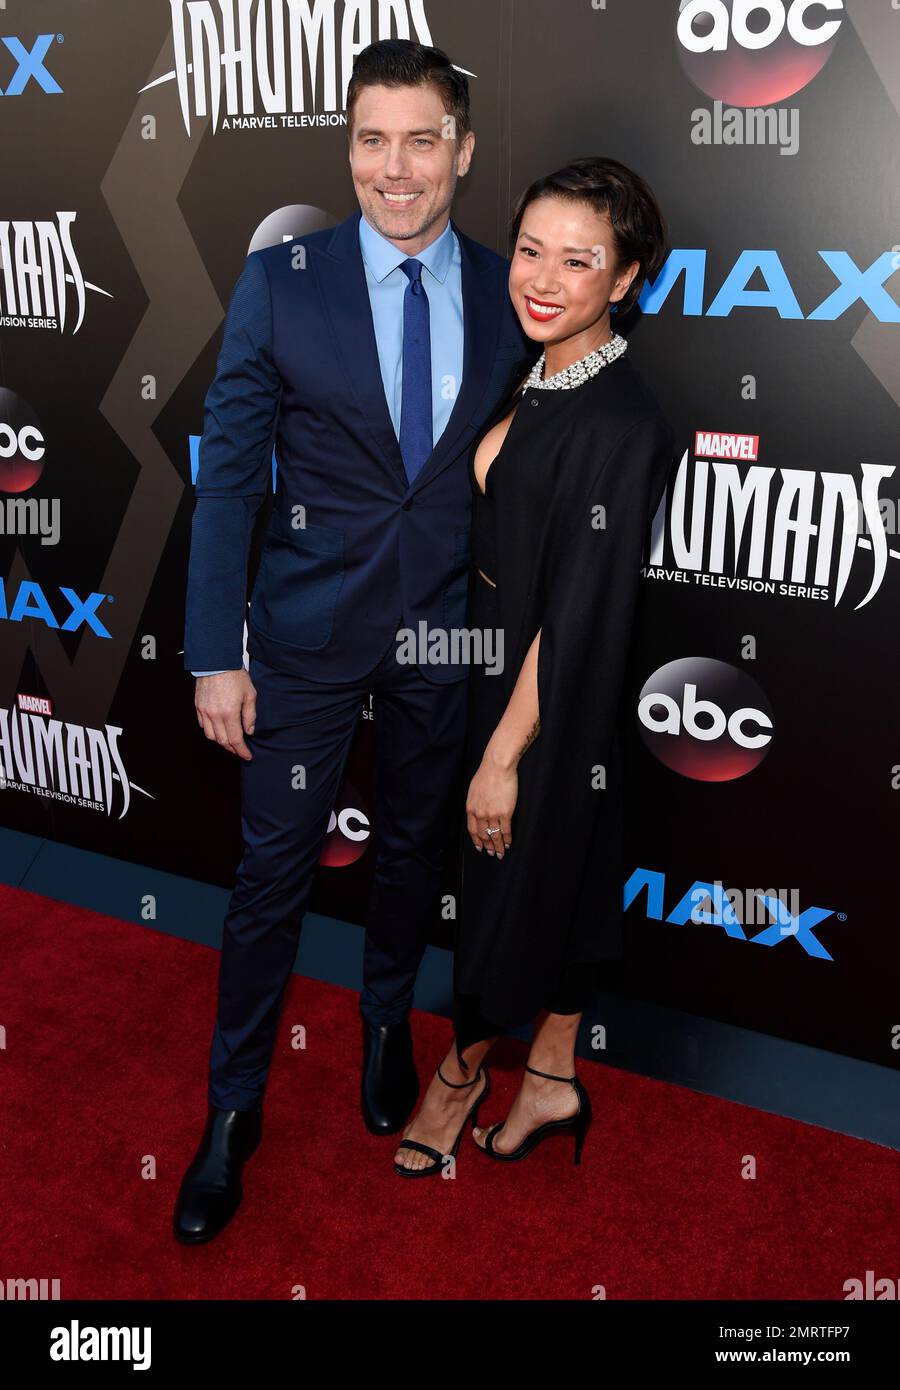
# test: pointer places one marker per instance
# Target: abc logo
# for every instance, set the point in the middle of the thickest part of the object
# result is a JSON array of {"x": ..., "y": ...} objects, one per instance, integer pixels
[
  {"x": 348, "y": 831},
  {"x": 22, "y": 445},
  {"x": 705, "y": 719},
  {"x": 756, "y": 52}
]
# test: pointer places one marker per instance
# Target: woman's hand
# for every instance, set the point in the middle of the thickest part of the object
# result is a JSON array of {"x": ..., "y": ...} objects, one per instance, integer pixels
[{"x": 491, "y": 802}]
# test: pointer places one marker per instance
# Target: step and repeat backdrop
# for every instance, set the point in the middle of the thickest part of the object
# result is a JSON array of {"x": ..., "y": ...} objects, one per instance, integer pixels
[{"x": 148, "y": 145}]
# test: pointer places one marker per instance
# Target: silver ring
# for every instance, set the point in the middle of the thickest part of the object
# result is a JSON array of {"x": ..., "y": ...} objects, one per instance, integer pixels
[{"x": 492, "y": 830}]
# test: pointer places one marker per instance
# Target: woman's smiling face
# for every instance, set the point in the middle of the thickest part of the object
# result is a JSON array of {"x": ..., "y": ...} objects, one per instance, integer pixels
[{"x": 564, "y": 272}]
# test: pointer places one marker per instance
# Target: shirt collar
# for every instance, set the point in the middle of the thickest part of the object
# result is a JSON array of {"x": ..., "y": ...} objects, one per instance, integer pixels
[{"x": 382, "y": 256}]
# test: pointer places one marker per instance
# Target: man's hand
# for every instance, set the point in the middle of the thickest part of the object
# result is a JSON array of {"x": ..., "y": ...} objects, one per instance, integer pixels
[{"x": 226, "y": 709}]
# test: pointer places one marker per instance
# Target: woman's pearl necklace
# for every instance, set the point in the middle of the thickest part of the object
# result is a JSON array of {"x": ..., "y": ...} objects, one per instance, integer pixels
[{"x": 580, "y": 371}]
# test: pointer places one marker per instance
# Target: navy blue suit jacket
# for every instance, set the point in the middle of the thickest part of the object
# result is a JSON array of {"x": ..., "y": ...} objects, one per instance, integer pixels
[{"x": 298, "y": 368}]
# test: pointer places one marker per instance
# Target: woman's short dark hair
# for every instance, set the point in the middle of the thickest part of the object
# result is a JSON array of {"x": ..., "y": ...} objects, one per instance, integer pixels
[
  {"x": 610, "y": 188},
  {"x": 404, "y": 63}
]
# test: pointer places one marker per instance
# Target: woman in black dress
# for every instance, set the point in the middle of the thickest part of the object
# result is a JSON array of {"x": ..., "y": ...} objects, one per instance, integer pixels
[{"x": 566, "y": 478}]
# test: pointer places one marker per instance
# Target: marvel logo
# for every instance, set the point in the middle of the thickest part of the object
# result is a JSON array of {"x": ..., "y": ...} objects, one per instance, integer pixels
[{"x": 708, "y": 445}]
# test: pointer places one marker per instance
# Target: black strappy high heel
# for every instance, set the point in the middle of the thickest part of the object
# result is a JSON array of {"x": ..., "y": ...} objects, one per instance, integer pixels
[
  {"x": 438, "y": 1157},
  {"x": 577, "y": 1124}
]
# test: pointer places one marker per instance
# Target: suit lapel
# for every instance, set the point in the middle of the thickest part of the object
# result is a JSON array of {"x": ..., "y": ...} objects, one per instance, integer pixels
[
  {"x": 481, "y": 326},
  {"x": 345, "y": 295}
]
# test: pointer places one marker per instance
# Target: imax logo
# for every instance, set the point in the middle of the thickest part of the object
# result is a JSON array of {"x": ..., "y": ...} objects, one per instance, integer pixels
[
  {"x": 31, "y": 602},
  {"x": 711, "y": 905},
  {"x": 31, "y": 65},
  {"x": 853, "y": 285}
]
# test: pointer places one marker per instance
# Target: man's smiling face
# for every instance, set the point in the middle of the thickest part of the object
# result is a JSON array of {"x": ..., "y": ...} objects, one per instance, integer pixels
[{"x": 403, "y": 165}]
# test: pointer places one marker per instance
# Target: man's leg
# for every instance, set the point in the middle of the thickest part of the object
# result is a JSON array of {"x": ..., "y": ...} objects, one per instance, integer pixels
[
  {"x": 300, "y": 744},
  {"x": 420, "y": 728}
]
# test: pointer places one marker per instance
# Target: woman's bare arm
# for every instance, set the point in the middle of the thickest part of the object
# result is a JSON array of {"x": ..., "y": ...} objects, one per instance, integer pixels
[
  {"x": 493, "y": 790},
  {"x": 521, "y": 721}
]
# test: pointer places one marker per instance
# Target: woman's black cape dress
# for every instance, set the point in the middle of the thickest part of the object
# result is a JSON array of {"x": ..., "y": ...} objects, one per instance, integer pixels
[{"x": 561, "y": 531}]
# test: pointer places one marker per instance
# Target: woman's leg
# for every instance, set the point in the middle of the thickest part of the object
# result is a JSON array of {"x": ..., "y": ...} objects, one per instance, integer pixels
[
  {"x": 444, "y": 1108},
  {"x": 539, "y": 1101}
]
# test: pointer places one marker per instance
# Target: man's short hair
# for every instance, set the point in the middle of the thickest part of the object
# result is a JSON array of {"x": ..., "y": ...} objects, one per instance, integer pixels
[{"x": 405, "y": 63}]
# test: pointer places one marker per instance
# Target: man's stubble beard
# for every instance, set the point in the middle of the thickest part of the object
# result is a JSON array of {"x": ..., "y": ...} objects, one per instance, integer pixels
[{"x": 421, "y": 228}]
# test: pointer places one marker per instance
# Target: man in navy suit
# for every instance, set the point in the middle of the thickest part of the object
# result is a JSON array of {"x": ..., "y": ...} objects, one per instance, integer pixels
[{"x": 369, "y": 358}]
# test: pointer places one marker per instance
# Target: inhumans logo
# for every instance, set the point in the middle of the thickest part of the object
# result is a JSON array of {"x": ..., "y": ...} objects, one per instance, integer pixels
[
  {"x": 242, "y": 58},
  {"x": 756, "y": 52},
  {"x": 705, "y": 719},
  {"x": 41, "y": 283}
]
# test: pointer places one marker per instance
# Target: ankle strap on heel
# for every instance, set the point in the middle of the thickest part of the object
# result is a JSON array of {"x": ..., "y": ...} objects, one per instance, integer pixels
[
  {"x": 458, "y": 1085},
  {"x": 548, "y": 1076}
]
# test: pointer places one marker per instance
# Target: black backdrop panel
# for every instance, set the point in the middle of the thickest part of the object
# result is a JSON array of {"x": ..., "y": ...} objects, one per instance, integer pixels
[{"x": 771, "y": 340}]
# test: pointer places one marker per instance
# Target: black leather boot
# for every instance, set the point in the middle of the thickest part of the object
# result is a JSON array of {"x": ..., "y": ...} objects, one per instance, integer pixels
[
  {"x": 211, "y": 1190},
  {"x": 390, "y": 1084}
]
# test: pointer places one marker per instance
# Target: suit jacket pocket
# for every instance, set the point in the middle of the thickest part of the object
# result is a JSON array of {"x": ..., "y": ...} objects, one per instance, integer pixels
[
  {"x": 300, "y": 576},
  {"x": 456, "y": 591}
]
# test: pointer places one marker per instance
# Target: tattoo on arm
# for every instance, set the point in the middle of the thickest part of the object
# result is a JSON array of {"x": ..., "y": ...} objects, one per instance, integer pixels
[{"x": 536, "y": 729}]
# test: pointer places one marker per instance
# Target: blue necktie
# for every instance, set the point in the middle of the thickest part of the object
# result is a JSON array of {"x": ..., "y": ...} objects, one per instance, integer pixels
[{"x": 416, "y": 427}]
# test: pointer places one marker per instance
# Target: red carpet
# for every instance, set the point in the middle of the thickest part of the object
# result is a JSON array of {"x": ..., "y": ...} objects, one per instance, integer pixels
[{"x": 107, "y": 1036}]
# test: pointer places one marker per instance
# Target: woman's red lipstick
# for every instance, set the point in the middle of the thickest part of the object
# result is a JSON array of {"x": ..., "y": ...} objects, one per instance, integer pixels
[{"x": 535, "y": 314}]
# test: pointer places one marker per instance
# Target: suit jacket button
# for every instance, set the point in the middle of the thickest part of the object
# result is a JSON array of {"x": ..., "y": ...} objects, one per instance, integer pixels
[{"x": 407, "y": 504}]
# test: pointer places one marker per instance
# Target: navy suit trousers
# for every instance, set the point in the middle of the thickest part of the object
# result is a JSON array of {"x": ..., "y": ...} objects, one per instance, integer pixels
[{"x": 419, "y": 733}]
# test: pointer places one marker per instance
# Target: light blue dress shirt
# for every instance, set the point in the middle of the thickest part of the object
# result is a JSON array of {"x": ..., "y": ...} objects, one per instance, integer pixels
[{"x": 442, "y": 279}]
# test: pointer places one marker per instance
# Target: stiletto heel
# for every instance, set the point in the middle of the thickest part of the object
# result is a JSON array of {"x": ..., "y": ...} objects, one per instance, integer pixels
[
  {"x": 583, "y": 1121},
  {"x": 471, "y": 1118},
  {"x": 577, "y": 1124}
]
